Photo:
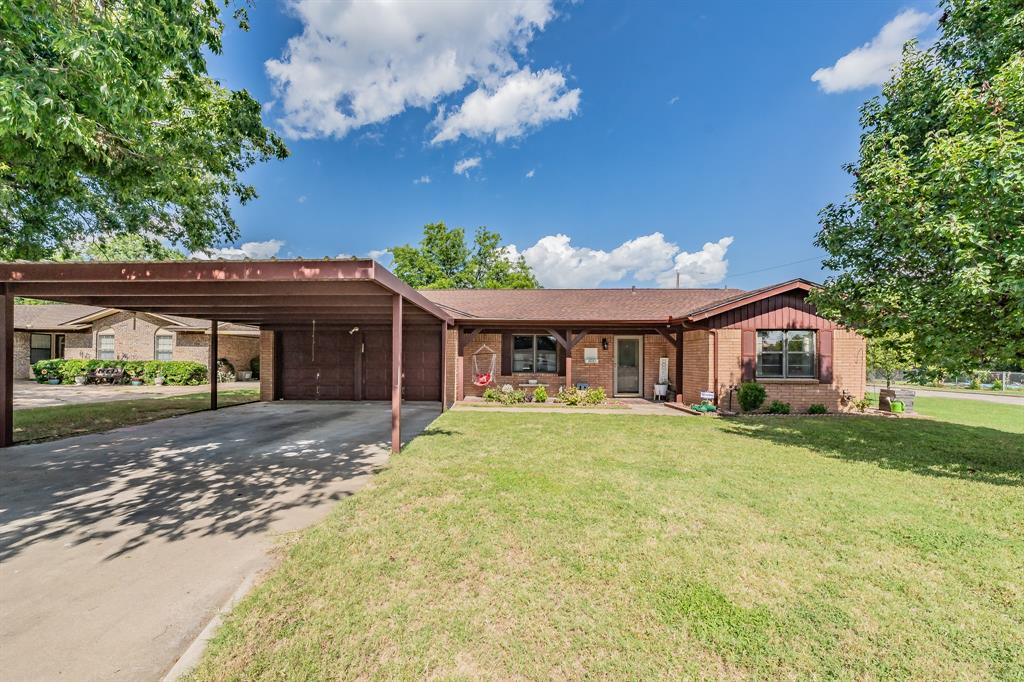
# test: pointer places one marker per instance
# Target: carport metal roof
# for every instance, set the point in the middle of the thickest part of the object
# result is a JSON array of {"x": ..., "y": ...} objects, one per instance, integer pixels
[{"x": 262, "y": 293}]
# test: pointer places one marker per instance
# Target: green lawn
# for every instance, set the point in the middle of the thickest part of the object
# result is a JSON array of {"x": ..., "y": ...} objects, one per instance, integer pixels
[
  {"x": 969, "y": 412},
  {"x": 45, "y": 423},
  {"x": 955, "y": 389},
  {"x": 537, "y": 546}
]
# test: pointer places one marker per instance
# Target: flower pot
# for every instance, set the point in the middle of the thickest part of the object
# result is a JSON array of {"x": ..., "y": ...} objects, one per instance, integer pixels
[
  {"x": 80, "y": 380},
  {"x": 136, "y": 382},
  {"x": 53, "y": 382},
  {"x": 159, "y": 381}
]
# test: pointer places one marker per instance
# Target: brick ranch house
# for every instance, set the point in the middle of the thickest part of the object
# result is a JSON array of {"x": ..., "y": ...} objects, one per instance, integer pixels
[
  {"x": 348, "y": 329},
  {"x": 628, "y": 340},
  {"x": 85, "y": 332}
]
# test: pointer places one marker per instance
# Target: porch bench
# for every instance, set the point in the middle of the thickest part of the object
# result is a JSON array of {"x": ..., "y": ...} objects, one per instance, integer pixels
[{"x": 107, "y": 375}]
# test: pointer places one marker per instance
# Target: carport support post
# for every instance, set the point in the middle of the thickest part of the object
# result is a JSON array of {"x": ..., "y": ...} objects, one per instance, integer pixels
[
  {"x": 213, "y": 364},
  {"x": 6, "y": 367},
  {"x": 396, "y": 373}
]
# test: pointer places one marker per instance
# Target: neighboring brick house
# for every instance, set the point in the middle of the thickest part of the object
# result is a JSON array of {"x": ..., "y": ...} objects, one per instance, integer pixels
[
  {"x": 88, "y": 332},
  {"x": 628, "y": 340}
]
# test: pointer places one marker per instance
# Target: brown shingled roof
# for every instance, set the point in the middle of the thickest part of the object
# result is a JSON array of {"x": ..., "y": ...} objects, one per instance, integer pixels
[
  {"x": 613, "y": 305},
  {"x": 50, "y": 316}
]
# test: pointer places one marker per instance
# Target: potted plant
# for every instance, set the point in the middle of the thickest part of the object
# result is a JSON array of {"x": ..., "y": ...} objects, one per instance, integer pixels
[
  {"x": 134, "y": 377},
  {"x": 159, "y": 380},
  {"x": 81, "y": 378}
]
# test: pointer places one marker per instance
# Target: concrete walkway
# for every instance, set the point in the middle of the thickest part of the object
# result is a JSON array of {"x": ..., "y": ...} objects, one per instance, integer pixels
[
  {"x": 961, "y": 395},
  {"x": 116, "y": 549},
  {"x": 631, "y": 406}
]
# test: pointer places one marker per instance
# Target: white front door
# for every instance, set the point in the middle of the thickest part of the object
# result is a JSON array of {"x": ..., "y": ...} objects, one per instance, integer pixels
[{"x": 629, "y": 365}]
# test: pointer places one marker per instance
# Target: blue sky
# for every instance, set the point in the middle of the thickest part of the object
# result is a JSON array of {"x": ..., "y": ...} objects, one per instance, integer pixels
[{"x": 612, "y": 144}]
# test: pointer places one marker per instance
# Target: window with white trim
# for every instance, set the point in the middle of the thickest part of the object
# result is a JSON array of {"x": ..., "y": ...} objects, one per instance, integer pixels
[
  {"x": 105, "y": 346},
  {"x": 786, "y": 354},
  {"x": 164, "y": 346},
  {"x": 535, "y": 354}
]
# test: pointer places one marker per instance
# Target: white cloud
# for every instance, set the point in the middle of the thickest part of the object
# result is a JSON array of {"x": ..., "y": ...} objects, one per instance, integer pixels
[
  {"x": 520, "y": 102},
  {"x": 463, "y": 166},
  {"x": 422, "y": 180},
  {"x": 530, "y": 173},
  {"x": 360, "y": 63},
  {"x": 872, "y": 63},
  {"x": 648, "y": 258},
  {"x": 302, "y": 199},
  {"x": 379, "y": 255},
  {"x": 254, "y": 250},
  {"x": 673, "y": 100}
]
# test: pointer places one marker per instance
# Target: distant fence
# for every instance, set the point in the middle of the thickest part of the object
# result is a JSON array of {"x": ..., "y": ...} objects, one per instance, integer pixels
[{"x": 1009, "y": 380}]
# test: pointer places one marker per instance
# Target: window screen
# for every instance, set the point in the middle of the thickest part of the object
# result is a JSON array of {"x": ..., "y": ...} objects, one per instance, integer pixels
[
  {"x": 534, "y": 354},
  {"x": 105, "y": 346},
  {"x": 785, "y": 354},
  {"x": 164, "y": 343},
  {"x": 40, "y": 348}
]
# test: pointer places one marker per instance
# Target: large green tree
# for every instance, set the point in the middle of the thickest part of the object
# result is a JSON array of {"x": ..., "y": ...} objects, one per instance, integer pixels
[
  {"x": 931, "y": 241},
  {"x": 110, "y": 124},
  {"x": 443, "y": 260}
]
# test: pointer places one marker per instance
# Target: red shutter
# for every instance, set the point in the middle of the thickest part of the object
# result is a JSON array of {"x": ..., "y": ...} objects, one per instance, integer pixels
[
  {"x": 748, "y": 353},
  {"x": 825, "y": 356},
  {"x": 506, "y": 355}
]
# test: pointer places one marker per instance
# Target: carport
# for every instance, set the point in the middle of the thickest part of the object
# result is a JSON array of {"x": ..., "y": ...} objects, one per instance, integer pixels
[{"x": 331, "y": 329}]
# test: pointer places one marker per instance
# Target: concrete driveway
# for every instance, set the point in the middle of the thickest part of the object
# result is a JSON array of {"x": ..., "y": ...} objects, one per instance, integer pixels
[
  {"x": 31, "y": 394},
  {"x": 116, "y": 549}
]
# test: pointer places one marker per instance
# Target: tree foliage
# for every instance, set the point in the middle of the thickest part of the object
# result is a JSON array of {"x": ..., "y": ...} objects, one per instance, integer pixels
[
  {"x": 109, "y": 124},
  {"x": 129, "y": 247},
  {"x": 890, "y": 354},
  {"x": 931, "y": 241},
  {"x": 443, "y": 260}
]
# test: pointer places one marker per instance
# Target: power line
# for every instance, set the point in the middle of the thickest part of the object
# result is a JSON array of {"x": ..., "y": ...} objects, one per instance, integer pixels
[{"x": 774, "y": 267}]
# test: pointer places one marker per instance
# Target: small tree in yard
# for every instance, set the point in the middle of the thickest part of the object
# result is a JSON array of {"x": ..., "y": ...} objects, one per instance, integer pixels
[
  {"x": 931, "y": 241},
  {"x": 890, "y": 354}
]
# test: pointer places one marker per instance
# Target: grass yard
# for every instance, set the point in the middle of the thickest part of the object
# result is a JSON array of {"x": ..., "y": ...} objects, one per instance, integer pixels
[
  {"x": 536, "y": 546},
  {"x": 969, "y": 412},
  {"x": 46, "y": 423}
]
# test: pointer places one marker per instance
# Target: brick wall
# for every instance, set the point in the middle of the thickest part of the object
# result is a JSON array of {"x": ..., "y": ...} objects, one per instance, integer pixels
[
  {"x": 266, "y": 342},
  {"x": 599, "y": 374}
]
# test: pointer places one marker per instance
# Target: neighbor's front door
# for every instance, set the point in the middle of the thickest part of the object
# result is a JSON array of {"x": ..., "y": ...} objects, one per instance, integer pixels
[{"x": 628, "y": 365}]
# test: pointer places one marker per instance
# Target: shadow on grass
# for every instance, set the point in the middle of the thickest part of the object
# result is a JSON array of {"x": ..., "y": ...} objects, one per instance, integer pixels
[
  {"x": 920, "y": 446},
  {"x": 231, "y": 472}
]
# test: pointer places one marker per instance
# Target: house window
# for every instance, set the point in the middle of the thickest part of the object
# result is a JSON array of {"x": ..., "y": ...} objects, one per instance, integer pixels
[
  {"x": 105, "y": 347},
  {"x": 535, "y": 354},
  {"x": 40, "y": 346},
  {"x": 785, "y": 354},
  {"x": 164, "y": 343}
]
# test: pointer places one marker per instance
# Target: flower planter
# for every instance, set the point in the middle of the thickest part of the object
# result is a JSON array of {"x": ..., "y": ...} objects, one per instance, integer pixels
[
  {"x": 136, "y": 382},
  {"x": 159, "y": 381},
  {"x": 80, "y": 380},
  {"x": 53, "y": 382}
]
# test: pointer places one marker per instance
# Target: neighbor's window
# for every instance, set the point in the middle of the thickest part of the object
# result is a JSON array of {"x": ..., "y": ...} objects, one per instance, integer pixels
[
  {"x": 105, "y": 347},
  {"x": 785, "y": 354},
  {"x": 538, "y": 354},
  {"x": 40, "y": 348},
  {"x": 164, "y": 343}
]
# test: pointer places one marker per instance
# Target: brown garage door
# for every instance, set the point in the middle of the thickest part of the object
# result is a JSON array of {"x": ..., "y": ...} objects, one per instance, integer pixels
[
  {"x": 324, "y": 365},
  {"x": 421, "y": 362},
  {"x": 317, "y": 365}
]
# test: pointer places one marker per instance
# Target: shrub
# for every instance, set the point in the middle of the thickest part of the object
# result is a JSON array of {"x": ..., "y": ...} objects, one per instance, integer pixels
[
  {"x": 492, "y": 395},
  {"x": 997, "y": 385},
  {"x": 506, "y": 395},
  {"x": 817, "y": 408},
  {"x": 779, "y": 407},
  {"x": 176, "y": 372},
  {"x": 540, "y": 395},
  {"x": 570, "y": 395},
  {"x": 751, "y": 396},
  {"x": 862, "y": 404},
  {"x": 975, "y": 384}
]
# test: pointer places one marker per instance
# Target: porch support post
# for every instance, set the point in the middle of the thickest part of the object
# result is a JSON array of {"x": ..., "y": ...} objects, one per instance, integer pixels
[
  {"x": 568, "y": 359},
  {"x": 213, "y": 364},
  {"x": 396, "y": 373},
  {"x": 6, "y": 367},
  {"x": 679, "y": 366},
  {"x": 444, "y": 366}
]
